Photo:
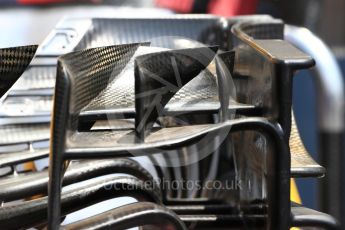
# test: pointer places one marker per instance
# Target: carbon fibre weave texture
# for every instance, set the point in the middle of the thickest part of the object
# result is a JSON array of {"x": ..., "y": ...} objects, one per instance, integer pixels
[
  {"x": 13, "y": 62},
  {"x": 90, "y": 71},
  {"x": 120, "y": 92},
  {"x": 159, "y": 76},
  {"x": 300, "y": 158},
  {"x": 104, "y": 32}
]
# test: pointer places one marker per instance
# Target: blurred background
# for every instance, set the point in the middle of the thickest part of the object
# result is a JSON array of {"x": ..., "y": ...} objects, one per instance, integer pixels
[{"x": 25, "y": 22}]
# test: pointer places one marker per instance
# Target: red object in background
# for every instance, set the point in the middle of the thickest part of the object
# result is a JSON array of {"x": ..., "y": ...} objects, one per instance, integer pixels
[
  {"x": 181, "y": 6},
  {"x": 232, "y": 7},
  {"x": 218, "y": 7}
]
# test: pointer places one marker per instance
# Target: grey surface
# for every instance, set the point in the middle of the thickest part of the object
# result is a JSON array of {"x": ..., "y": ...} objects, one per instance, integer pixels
[
  {"x": 30, "y": 25},
  {"x": 21, "y": 26}
]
